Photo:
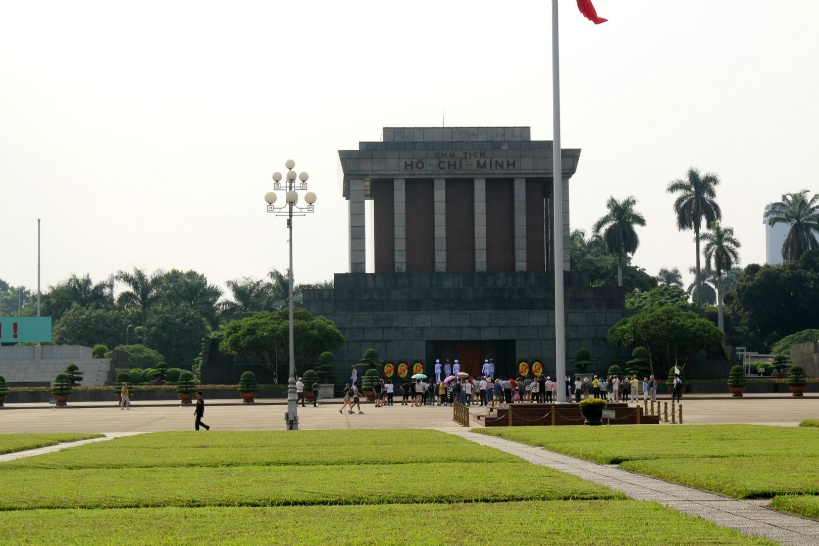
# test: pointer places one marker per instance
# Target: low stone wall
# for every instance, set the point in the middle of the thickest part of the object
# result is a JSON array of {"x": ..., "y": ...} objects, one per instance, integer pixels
[{"x": 139, "y": 395}]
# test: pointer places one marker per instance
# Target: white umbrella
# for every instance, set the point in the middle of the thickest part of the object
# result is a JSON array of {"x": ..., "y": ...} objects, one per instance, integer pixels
[{"x": 419, "y": 376}]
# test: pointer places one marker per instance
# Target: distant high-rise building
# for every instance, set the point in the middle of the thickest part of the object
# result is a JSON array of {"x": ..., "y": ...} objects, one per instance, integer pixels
[{"x": 774, "y": 239}]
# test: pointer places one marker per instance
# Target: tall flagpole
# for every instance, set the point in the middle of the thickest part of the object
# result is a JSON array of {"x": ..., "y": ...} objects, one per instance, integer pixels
[{"x": 557, "y": 185}]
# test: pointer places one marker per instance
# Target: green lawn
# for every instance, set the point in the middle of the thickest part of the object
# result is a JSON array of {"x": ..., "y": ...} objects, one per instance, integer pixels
[
  {"x": 563, "y": 523},
  {"x": 804, "y": 505},
  {"x": 11, "y": 443},
  {"x": 319, "y": 487},
  {"x": 810, "y": 423},
  {"x": 744, "y": 461}
]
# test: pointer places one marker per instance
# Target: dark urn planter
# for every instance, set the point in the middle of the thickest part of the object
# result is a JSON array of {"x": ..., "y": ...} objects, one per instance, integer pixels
[
  {"x": 61, "y": 399},
  {"x": 736, "y": 392},
  {"x": 593, "y": 414},
  {"x": 185, "y": 397},
  {"x": 248, "y": 397},
  {"x": 796, "y": 390},
  {"x": 370, "y": 395}
]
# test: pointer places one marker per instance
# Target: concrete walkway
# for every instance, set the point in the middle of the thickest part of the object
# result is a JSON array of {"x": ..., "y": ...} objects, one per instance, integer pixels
[{"x": 748, "y": 517}]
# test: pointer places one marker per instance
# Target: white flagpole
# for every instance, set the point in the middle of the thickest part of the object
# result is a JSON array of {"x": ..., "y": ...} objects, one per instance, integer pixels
[{"x": 557, "y": 184}]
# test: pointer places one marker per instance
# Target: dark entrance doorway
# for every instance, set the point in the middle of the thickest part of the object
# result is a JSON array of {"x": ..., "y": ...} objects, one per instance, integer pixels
[{"x": 471, "y": 354}]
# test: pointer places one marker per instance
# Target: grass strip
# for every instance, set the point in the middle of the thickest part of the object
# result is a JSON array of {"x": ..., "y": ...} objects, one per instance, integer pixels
[
  {"x": 27, "y": 488},
  {"x": 764, "y": 477},
  {"x": 637, "y": 523},
  {"x": 218, "y": 449},
  {"x": 801, "y": 505},
  {"x": 11, "y": 443},
  {"x": 810, "y": 423},
  {"x": 613, "y": 445}
]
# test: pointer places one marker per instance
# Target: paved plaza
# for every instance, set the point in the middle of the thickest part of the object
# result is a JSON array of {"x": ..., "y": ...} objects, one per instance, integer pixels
[{"x": 750, "y": 517}]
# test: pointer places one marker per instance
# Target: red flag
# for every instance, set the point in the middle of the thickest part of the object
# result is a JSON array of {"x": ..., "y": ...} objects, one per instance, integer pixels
[{"x": 588, "y": 11}]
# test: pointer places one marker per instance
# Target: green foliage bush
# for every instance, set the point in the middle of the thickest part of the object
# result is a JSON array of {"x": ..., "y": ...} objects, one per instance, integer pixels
[
  {"x": 583, "y": 359},
  {"x": 309, "y": 377},
  {"x": 62, "y": 384},
  {"x": 148, "y": 375},
  {"x": 803, "y": 336},
  {"x": 796, "y": 377},
  {"x": 123, "y": 377},
  {"x": 74, "y": 374},
  {"x": 247, "y": 382},
  {"x": 614, "y": 369},
  {"x": 186, "y": 383},
  {"x": 4, "y": 390},
  {"x": 161, "y": 371},
  {"x": 172, "y": 375},
  {"x": 135, "y": 376},
  {"x": 100, "y": 350},
  {"x": 736, "y": 378},
  {"x": 325, "y": 369},
  {"x": 370, "y": 379},
  {"x": 763, "y": 368}
]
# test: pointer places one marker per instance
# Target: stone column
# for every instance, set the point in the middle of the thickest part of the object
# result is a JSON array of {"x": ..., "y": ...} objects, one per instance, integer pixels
[
  {"x": 566, "y": 228},
  {"x": 440, "y": 224},
  {"x": 358, "y": 248},
  {"x": 480, "y": 224},
  {"x": 400, "y": 212},
  {"x": 520, "y": 224}
]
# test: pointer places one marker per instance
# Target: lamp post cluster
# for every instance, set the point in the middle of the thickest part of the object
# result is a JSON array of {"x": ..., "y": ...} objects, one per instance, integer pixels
[{"x": 291, "y": 189}]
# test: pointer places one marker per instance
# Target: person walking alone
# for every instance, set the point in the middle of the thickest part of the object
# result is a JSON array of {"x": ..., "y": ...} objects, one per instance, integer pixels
[
  {"x": 199, "y": 411},
  {"x": 125, "y": 397}
]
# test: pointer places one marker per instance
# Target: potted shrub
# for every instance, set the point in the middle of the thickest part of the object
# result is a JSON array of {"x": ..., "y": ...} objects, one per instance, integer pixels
[
  {"x": 592, "y": 410},
  {"x": 161, "y": 370},
  {"x": 74, "y": 374},
  {"x": 582, "y": 359},
  {"x": 308, "y": 379},
  {"x": 4, "y": 390},
  {"x": 797, "y": 380},
  {"x": 186, "y": 387},
  {"x": 61, "y": 389},
  {"x": 737, "y": 381},
  {"x": 368, "y": 384},
  {"x": 248, "y": 387}
]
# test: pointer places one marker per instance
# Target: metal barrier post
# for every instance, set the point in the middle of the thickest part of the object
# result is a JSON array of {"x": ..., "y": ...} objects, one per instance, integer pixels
[
  {"x": 665, "y": 412},
  {"x": 673, "y": 414},
  {"x": 680, "y": 406},
  {"x": 652, "y": 407},
  {"x": 639, "y": 411},
  {"x": 553, "y": 416},
  {"x": 510, "y": 415}
]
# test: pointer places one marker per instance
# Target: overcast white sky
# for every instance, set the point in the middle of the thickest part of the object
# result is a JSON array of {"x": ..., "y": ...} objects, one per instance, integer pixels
[{"x": 144, "y": 134}]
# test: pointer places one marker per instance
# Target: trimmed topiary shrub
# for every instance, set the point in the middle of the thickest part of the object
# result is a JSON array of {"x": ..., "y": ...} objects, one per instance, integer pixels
[
  {"x": 186, "y": 384},
  {"x": 370, "y": 379},
  {"x": 172, "y": 375},
  {"x": 135, "y": 376},
  {"x": 583, "y": 359},
  {"x": 308, "y": 379},
  {"x": 74, "y": 374},
  {"x": 797, "y": 377},
  {"x": 161, "y": 371},
  {"x": 62, "y": 385},
  {"x": 4, "y": 389},
  {"x": 100, "y": 350},
  {"x": 614, "y": 369},
  {"x": 640, "y": 363},
  {"x": 247, "y": 383},
  {"x": 736, "y": 378},
  {"x": 765, "y": 369}
]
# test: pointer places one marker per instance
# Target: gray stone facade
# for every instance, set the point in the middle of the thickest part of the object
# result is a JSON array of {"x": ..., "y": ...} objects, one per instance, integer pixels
[{"x": 464, "y": 253}]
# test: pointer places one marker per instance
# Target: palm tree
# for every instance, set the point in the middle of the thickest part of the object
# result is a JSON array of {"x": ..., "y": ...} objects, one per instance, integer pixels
[
  {"x": 702, "y": 288},
  {"x": 79, "y": 291},
  {"x": 695, "y": 203},
  {"x": 618, "y": 230},
  {"x": 670, "y": 277},
  {"x": 142, "y": 293},
  {"x": 249, "y": 296},
  {"x": 803, "y": 216},
  {"x": 721, "y": 251}
]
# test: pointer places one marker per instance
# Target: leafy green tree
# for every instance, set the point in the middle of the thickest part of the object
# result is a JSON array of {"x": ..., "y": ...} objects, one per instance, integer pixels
[
  {"x": 590, "y": 255},
  {"x": 81, "y": 291},
  {"x": 190, "y": 289},
  {"x": 775, "y": 301},
  {"x": 658, "y": 297},
  {"x": 140, "y": 356},
  {"x": 672, "y": 336},
  {"x": 617, "y": 229},
  {"x": 249, "y": 296},
  {"x": 17, "y": 300},
  {"x": 783, "y": 346},
  {"x": 670, "y": 277},
  {"x": 721, "y": 251},
  {"x": 90, "y": 327},
  {"x": 803, "y": 216},
  {"x": 702, "y": 290},
  {"x": 176, "y": 332},
  {"x": 696, "y": 202},
  {"x": 100, "y": 350},
  {"x": 264, "y": 337},
  {"x": 142, "y": 294}
]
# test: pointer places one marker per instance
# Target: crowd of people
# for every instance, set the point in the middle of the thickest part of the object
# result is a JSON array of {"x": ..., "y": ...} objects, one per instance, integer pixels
[{"x": 486, "y": 391}]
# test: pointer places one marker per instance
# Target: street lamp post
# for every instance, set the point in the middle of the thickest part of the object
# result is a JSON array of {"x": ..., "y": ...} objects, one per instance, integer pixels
[{"x": 291, "y": 197}]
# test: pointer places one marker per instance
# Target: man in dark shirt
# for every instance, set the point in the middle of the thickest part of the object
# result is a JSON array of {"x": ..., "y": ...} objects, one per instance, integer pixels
[{"x": 199, "y": 411}]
